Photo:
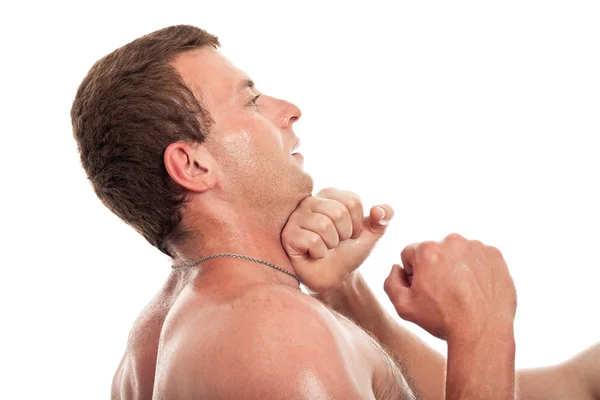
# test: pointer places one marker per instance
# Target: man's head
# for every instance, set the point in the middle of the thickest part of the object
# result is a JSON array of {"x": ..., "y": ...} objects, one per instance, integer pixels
[{"x": 166, "y": 119}]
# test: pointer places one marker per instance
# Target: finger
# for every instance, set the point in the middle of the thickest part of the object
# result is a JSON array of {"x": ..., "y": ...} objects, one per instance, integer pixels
[
  {"x": 317, "y": 248},
  {"x": 338, "y": 213},
  {"x": 307, "y": 242},
  {"x": 398, "y": 291},
  {"x": 408, "y": 256},
  {"x": 353, "y": 204},
  {"x": 322, "y": 225},
  {"x": 407, "y": 276},
  {"x": 395, "y": 281}
]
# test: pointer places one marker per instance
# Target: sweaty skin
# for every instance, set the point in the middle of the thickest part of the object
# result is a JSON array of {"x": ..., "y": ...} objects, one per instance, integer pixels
[
  {"x": 250, "y": 340},
  {"x": 232, "y": 328},
  {"x": 236, "y": 329},
  {"x": 458, "y": 290}
]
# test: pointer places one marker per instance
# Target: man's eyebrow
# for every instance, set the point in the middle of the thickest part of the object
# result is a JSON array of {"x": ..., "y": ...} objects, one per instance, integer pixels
[{"x": 246, "y": 83}]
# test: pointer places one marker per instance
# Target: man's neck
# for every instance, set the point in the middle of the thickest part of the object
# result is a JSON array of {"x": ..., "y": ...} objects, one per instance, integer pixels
[{"x": 241, "y": 234}]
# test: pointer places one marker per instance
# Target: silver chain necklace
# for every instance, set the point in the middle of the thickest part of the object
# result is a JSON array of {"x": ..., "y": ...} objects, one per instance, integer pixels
[{"x": 193, "y": 264}]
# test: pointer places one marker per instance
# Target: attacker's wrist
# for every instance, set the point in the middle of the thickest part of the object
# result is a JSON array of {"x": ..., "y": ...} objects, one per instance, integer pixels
[
  {"x": 499, "y": 331},
  {"x": 345, "y": 286}
]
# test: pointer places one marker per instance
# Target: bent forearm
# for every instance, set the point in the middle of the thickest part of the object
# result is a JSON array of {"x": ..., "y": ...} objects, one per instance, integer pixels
[
  {"x": 421, "y": 365},
  {"x": 483, "y": 367}
]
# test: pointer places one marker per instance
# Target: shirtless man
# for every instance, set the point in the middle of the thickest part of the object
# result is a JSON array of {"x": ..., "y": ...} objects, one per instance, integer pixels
[{"x": 179, "y": 143}]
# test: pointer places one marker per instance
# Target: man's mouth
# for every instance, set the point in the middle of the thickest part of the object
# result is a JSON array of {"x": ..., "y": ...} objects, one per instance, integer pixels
[{"x": 295, "y": 147}]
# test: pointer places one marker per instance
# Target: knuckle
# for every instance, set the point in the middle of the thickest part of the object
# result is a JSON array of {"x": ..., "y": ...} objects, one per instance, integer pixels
[
  {"x": 326, "y": 192},
  {"x": 324, "y": 224},
  {"x": 429, "y": 251},
  {"x": 313, "y": 240},
  {"x": 353, "y": 195},
  {"x": 477, "y": 243},
  {"x": 454, "y": 237},
  {"x": 289, "y": 233},
  {"x": 353, "y": 202},
  {"x": 309, "y": 201},
  {"x": 338, "y": 213},
  {"x": 456, "y": 242},
  {"x": 494, "y": 251},
  {"x": 404, "y": 312}
]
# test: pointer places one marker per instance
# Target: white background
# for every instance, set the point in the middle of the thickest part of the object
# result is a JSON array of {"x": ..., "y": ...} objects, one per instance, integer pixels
[{"x": 478, "y": 117}]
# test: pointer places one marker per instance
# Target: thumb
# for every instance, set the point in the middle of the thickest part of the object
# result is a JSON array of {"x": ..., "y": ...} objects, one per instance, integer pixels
[
  {"x": 374, "y": 227},
  {"x": 378, "y": 220}
]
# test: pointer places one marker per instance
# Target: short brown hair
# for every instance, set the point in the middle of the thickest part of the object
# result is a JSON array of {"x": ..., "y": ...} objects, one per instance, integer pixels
[{"x": 131, "y": 105}]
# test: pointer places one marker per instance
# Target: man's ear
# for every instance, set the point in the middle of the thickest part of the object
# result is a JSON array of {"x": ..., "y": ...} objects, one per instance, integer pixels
[{"x": 191, "y": 166}]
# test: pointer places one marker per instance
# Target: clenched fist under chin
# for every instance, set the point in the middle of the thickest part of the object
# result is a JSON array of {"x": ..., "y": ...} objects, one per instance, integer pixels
[
  {"x": 454, "y": 289},
  {"x": 327, "y": 237}
]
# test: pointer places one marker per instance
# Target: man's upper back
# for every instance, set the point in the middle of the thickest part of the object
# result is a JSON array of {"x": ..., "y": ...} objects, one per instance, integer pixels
[{"x": 134, "y": 378}]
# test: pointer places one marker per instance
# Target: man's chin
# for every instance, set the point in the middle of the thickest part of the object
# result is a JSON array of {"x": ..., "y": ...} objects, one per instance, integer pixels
[
  {"x": 303, "y": 189},
  {"x": 307, "y": 185}
]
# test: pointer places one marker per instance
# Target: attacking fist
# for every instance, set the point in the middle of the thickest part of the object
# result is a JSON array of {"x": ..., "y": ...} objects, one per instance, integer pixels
[
  {"x": 456, "y": 288},
  {"x": 327, "y": 237}
]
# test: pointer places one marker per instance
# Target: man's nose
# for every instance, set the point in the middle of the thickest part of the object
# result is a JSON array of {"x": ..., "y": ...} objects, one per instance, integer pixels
[{"x": 289, "y": 113}]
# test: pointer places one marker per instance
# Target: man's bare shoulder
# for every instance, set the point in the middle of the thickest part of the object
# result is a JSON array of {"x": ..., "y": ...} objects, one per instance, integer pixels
[
  {"x": 262, "y": 343},
  {"x": 257, "y": 314},
  {"x": 206, "y": 310}
]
